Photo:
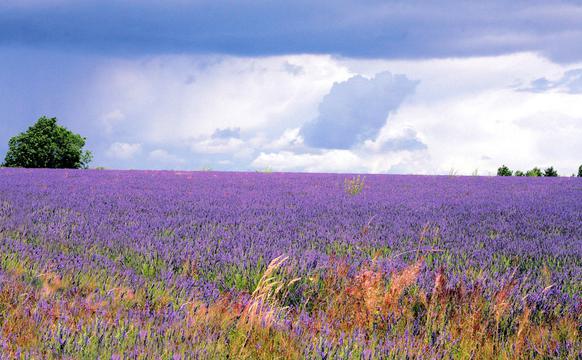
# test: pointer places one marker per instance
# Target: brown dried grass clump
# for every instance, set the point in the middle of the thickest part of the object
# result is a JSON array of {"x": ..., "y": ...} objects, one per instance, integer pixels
[
  {"x": 399, "y": 282},
  {"x": 16, "y": 322},
  {"x": 20, "y": 328},
  {"x": 220, "y": 315},
  {"x": 92, "y": 305},
  {"x": 522, "y": 332},
  {"x": 189, "y": 268},
  {"x": 122, "y": 294},
  {"x": 51, "y": 283},
  {"x": 365, "y": 301},
  {"x": 436, "y": 306},
  {"x": 502, "y": 300},
  {"x": 440, "y": 285},
  {"x": 364, "y": 298}
]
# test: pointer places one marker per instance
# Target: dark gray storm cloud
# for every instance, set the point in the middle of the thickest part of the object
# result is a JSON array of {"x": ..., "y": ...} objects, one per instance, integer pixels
[
  {"x": 369, "y": 28},
  {"x": 355, "y": 110}
]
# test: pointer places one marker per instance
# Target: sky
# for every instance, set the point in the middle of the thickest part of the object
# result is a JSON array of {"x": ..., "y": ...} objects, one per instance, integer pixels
[{"x": 404, "y": 87}]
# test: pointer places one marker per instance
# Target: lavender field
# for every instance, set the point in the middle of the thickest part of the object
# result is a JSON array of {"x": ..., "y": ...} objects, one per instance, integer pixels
[{"x": 176, "y": 265}]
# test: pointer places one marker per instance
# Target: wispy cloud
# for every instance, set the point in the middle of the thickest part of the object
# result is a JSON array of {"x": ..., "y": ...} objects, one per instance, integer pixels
[{"x": 570, "y": 82}]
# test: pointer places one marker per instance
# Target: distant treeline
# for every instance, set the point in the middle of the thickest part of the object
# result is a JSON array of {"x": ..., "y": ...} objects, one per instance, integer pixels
[{"x": 550, "y": 172}]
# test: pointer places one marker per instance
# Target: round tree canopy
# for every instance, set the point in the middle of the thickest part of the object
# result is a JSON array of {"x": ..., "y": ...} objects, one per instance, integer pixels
[{"x": 47, "y": 145}]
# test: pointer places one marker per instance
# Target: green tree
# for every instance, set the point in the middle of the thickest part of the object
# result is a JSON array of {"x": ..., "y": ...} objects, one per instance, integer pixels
[
  {"x": 519, "y": 173},
  {"x": 47, "y": 145},
  {"x": 534, "y": 172},
  {"x": 551, "y": 172},
  {"x": 504, "y": 171},
  {"x": 580, "y": 171}
]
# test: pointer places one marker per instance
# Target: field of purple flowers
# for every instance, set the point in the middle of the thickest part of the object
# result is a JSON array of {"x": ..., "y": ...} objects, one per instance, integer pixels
[{"x": 161, "y": 264}]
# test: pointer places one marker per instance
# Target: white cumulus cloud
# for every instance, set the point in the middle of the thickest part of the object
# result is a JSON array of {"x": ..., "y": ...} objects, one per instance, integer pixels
[
  {"x": 165, "y": 157},
  {"x": 123, "y": 151}
]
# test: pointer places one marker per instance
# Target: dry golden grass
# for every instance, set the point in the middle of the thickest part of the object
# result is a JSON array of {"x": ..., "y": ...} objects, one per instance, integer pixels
[
  {"x": 400, "y": 282},
  {"x": 264, "y": 308},
  {"x": 502, "y": 300},
  {"x": 522, "y": 332},
  {"x": 51, "y": 283},
  {"x": 364, "y": 304}
]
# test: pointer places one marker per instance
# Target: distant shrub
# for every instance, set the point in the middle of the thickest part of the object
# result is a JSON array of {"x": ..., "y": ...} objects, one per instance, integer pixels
[
  {"x": 534, "y": 172},
  {"x": 580, "y": 171},
  {"x": 100, "y": 168},
  {"x": 266, "y": 170},
  {"x": 519, "y": 173},
  {"x": 504, "y": 171},
  {"x": 355, "y": 185},
  {"x": 551, "y": 172}
]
